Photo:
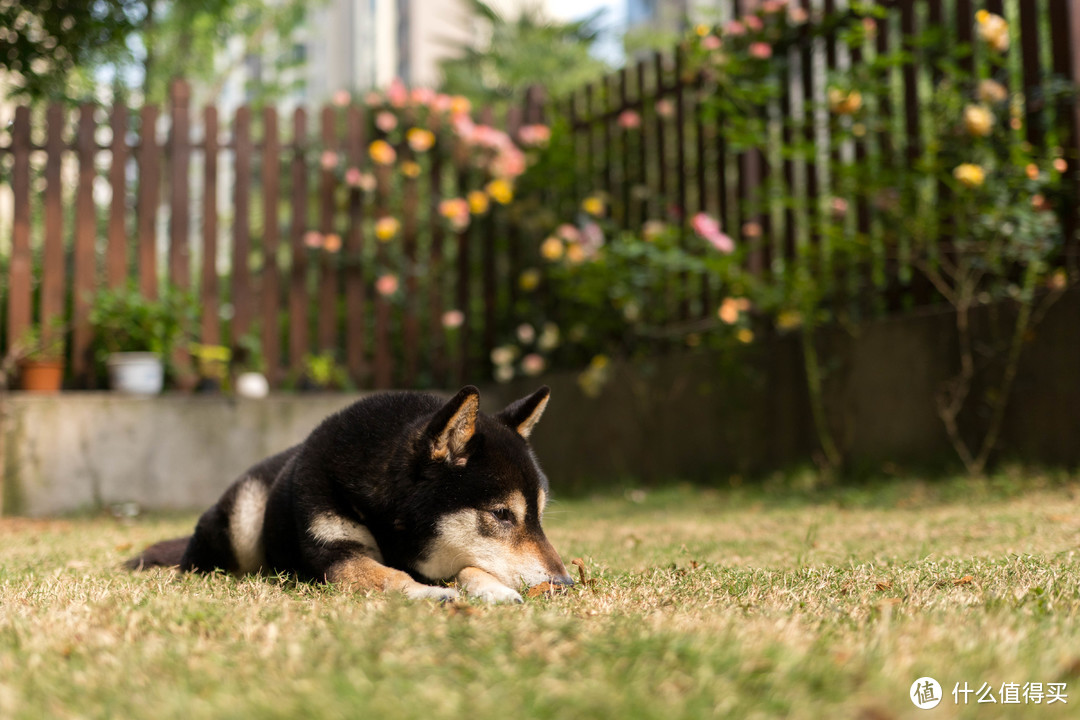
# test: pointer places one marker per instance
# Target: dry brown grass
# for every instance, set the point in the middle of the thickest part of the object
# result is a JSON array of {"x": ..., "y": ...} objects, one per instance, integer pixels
[{"x": 706, "y": 604}]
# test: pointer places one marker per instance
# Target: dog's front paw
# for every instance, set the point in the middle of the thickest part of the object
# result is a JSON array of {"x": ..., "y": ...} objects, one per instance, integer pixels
[
  {"x": 493, "y": 593},
  {"x": 431, "y": 592}
]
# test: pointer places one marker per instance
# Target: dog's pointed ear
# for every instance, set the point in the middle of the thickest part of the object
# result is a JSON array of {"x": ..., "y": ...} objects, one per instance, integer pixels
[
  {"x": 453, "y": 426},
  {"x": 522, "y": 415}
]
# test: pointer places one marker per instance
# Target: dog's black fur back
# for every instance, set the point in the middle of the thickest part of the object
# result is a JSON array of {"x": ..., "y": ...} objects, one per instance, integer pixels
[{"x": 370, "y": 466}]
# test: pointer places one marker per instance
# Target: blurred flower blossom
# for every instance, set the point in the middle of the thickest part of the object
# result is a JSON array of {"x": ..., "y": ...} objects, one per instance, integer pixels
[
  {"x": 970, "y": 175},
  {"x": 552, "y": 248},
  {"x": 386, "y": 228},
  {"x": 453, "y": 319},
  {"x": 978, "y": 120},
  {"x": 386, "y": 121},
  {"x": 419, "y": 139},
  {"x": 382, "y": 152},
  {"x": 707, "y": 228},
  {"x": 993, "y": 29},
  {"x": 386, "y": 284},
  {"x": 532, "y": 364},
  {"x": 478, "y": 202}
]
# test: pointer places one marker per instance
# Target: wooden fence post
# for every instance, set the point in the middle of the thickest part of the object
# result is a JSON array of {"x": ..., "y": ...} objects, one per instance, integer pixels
[{"x": 85, "y": 274}]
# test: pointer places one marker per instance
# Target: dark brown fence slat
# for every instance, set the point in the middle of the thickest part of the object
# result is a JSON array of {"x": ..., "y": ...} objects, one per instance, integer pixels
[
  {"x": 85, "y": 262},
  {"x": 271, "y": 273},
  {"x": 20, "y": 268},
  {"x": 410, "y": 326},
  {"x": 384, "y": 364},
  {"x": 53, "y": 282},
  {"x": 965, "y": 30},
  {"x": 661, "y": 121},
  {"x": 208, "y": 286},
  {"x": 116, "y": 258},
  {"x": 1032, "y": 76},
  {"x": 298, "y": 293},
  {"x": 149, "y": 182},
  {"x": 328, "y": 280},
  {"x": 806, "y": 66},
  {"x": 487, "y": 250},
  {"x": 463, "y": 284},
  {"x": 642, "y": 173},
  {"x": 355, "y": 303},
  {"x": 179, "y": 211},
  {"x": 242, "y": 290},
  {"x": 1065, "y": 36},
  {"x": 436, "y": 271}
]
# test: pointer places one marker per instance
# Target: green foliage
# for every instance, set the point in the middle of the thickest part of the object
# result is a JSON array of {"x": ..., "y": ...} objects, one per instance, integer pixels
[
  {"x": 34, "y": 344},
  {"x": 509, "y": 56},
  {"x": 974, "y": 210},
  {"x": 125, "y": 320},
  {"x": 323, "y": 372},
  {"x": 59, "y": 51},
  {"x": 45, "y": 41}
]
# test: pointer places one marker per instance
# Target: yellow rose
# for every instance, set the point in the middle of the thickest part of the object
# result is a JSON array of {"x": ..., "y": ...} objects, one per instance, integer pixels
[
  {"x": 994, "y": 29},
  {"x": 978, "y": 120},
  {"x": 500, "y": 191},
  {"x": 970, "y": 175},
  {"x": 410, "y": 169},
  {"x": 844, "y": 102},
  {"x": 382, "y": 152},
  {"x": 991, "y": 91},
  {"x": 478, "y": 202},
  {"x": 529, "y": 279},
  {"x": 551, "y": 249},
  {"x": 593, "y": 205},
  {"x": 419, "y": 139},
  {"x": 386, "y": 228},
  {"x": 575, "y": 254}
]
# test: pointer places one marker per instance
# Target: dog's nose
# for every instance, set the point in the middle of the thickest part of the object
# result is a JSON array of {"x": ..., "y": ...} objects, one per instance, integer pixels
[{"x": 562, "y": 580}]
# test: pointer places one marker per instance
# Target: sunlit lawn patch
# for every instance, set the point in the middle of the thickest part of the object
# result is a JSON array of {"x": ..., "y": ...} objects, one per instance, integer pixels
[{"x": 706, "y": 603}]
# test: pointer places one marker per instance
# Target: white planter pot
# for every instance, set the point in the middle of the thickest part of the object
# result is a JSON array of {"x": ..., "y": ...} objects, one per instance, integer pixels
[
  {"x": 138, "y": 373},
  {"x": 252, "y": 385}
]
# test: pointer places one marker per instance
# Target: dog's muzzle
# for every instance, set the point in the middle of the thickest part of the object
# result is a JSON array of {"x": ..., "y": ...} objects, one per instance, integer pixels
[{"x": 563, "y": 580}]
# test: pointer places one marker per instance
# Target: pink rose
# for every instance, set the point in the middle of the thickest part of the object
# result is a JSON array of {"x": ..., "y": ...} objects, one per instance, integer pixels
[
  {"x": 629, "y": 120},
  {"x": 711, "y": 42},
  {"x": 386, "y": 285},
  {"x": 708, "y": 229},
  {"x": 386, "y": 121},
  {"x": 761, "y": 50},
  {"x": 397, "y": 94}
]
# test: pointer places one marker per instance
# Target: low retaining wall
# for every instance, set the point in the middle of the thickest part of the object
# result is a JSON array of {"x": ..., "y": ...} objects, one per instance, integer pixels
[
  {"x": 703, "y": 416},
  {"x": 83, "y": 450}
]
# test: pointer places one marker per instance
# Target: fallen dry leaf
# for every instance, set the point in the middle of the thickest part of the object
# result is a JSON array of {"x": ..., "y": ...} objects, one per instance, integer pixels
[
  {"x": 461, "y": 608},
  {"x": 544, "y": 587},
  {"x": 581, "y": 568},
  {"x": 964, "y": 580},
  {"x": 883, "y": 585}
]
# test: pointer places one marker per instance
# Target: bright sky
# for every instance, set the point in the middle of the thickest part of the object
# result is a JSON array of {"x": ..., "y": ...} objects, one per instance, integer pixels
[{"x": 614, "y": 21}]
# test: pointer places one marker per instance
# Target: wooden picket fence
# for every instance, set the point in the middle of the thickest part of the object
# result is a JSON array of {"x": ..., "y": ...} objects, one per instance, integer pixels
[
  {"x": 673, "y": 164},
  {"x": 298, "y": 301},
  {"x": 66, "y": 245}
]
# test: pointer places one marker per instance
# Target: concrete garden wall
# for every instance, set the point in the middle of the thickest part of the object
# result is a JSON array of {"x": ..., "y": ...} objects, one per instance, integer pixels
[{"x": 701, "y": 416}]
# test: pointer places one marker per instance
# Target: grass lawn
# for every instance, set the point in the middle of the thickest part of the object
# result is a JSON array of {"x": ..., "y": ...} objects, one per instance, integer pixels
[{"x": 746, "y": 603}]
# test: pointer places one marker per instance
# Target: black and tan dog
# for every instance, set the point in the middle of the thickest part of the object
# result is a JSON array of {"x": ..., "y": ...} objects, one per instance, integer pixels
[{"x": 396, "y": 489}]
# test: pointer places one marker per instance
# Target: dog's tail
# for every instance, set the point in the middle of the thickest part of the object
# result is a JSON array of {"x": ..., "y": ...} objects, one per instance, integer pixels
[{"x": 166, "y": 553}]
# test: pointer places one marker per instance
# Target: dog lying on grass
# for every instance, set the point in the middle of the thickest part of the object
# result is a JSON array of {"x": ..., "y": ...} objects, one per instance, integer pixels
[{"x": 396, "y": 492}]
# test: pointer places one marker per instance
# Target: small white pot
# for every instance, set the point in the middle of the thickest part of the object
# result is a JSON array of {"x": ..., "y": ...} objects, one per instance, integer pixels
[
  {"x": 138, "y": 373},
  {"x": 252, "y": 385}
]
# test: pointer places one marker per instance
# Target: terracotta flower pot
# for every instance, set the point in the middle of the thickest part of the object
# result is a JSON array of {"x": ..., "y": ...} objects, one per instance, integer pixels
[{"x": 41, "y": 376}]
